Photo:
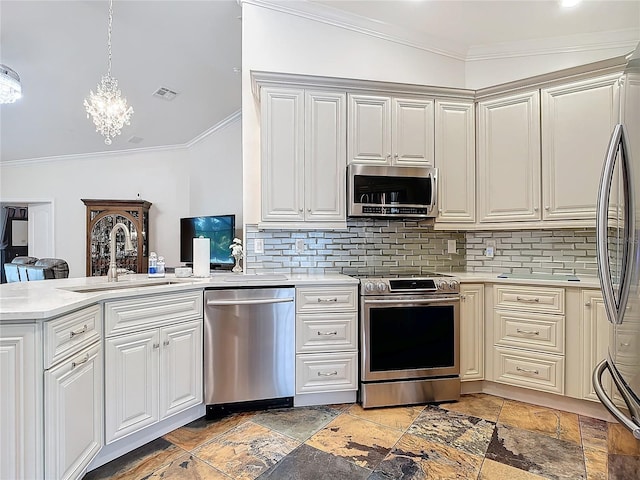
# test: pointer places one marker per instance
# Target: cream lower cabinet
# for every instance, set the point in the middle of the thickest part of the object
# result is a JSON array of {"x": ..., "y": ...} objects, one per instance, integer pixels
[
  {"x": 73, "y": 413},
  {"x": 326, "y": 343},
  {"x": 595, "y": 332},
  {"x": 390, "y": 131},
  {"x": 21, "y": 436},
  {"x": 303, "y": 157},
  {"x": 471, "y": 332},
  {"x": 153, "y": 358},
  {"x": 455, "y": 158},
  {"x": 528, "y": 334}
]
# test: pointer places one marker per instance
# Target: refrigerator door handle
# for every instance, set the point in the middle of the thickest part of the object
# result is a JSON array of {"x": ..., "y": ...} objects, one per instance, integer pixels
[
  {"x": 615, "y": 310},
  {"x": 608, "y": 403}
]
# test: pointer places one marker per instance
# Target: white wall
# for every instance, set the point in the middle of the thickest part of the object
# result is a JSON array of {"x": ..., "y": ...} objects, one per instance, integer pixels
[
  {"x": 179, "y": 182},
  {"x": 279, "y": 42},
  {"x": 490, "y": 72}
]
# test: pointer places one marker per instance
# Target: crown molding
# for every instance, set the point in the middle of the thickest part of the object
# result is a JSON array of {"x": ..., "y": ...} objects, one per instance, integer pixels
[
  {"x": 130, "y": 151},
  {"x": 365, "y": 26},
  {"x": 617, "y": 39}
]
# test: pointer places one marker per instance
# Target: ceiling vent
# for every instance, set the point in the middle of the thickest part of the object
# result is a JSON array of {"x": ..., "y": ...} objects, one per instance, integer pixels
[
  {"x": 165, "y": 93},
  {"x": 135, "y": 139}
]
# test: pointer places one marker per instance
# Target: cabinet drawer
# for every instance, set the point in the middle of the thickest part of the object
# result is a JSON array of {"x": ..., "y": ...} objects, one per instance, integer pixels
[
  {"x": 326, "y": 299},
  {"x": 71, "y": 333},
  {"x": 536, "y": 331},
  {"x": 326, "y": 333},
  {"x": 133, "y": 314},
  {"x": 533, "y": 299},
  {"x": 538, "y": 371},
  {"x": 326, "y": 372}
]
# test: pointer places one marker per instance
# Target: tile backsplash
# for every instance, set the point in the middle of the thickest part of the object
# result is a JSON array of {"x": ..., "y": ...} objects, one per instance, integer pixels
[{"x": 381, "y": 246}]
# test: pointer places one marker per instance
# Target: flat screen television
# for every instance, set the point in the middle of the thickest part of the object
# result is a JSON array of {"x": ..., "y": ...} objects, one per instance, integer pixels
[{"x": 219, "y": 229}]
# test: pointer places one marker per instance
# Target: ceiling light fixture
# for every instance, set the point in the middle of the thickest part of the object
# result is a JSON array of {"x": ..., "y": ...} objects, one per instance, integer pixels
[
  {"x": 569, "y": 3},
  {"x": 107, "y": 108},
  {"x": 10, "y": 89}
]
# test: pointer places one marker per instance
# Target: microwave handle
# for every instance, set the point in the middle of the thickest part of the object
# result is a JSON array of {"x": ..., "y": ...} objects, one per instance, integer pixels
[{"x": 434, "y": 189}]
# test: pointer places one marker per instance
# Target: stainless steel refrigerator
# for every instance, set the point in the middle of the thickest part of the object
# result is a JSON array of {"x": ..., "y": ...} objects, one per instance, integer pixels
[{"x": 618, "y": 247}]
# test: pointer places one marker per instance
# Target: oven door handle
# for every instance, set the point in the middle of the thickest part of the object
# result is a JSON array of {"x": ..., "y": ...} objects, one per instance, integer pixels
[{"x": 411, "y": 300}]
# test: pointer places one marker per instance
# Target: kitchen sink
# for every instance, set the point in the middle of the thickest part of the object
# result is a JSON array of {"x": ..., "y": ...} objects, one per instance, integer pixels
[
  {"x": 255, "y": 277},
  {"x": 101, "y": 287}
]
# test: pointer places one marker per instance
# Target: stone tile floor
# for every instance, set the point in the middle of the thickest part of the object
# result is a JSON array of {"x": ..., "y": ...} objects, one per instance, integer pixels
[{"x": 481, "y": 437}]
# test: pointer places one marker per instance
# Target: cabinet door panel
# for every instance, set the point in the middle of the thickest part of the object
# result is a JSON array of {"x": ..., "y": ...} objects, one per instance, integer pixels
[
  {"x": 73, "y": 414},
  {"x": 595, "y": 332},
  {"x": 369, "y": 129},
  {"x": 412, "y": 132},
  {"x": 21, "y": 380},
  {"x": 131, "y": 383},
  {"x": 325, "y": 156},
  {"x": 455, "y": 158},
  {"x": 509, "y": 158},
  {"x": 181, "y": 368},
  {"x": 282, "y": 153},
  {"x": 577, "y": 120},
  {"x": 471, "y": 332}
]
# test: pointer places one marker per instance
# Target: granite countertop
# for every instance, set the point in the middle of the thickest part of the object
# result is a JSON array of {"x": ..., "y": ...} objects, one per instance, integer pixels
[{"x": 33, "y": 301}]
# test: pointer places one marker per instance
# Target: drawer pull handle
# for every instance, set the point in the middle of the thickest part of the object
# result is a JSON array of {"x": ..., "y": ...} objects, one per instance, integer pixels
[
  {"x": 624, "y": 344},
  {"x": 327, "y": 300},
  {"x": 79, "y": 332},
  {"x": 528, "y": 300},
  {"x": 327, "y": 334},
  {"x": 526, "y": 370},
  {"x": 330, "y": 374},
  {"x": 80, "y": 362},
  {"x": 528, "y": 332}
]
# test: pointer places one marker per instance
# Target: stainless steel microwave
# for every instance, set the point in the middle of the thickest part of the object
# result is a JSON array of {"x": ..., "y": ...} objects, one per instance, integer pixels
[{"x": 384, "y": 191}]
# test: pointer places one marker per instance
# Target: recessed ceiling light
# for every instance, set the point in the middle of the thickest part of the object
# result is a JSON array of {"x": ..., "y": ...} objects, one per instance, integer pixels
[{"x": 569, "y": 3}]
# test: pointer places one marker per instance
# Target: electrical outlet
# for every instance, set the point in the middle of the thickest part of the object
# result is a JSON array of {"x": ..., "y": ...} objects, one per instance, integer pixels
[
  {"x": 489, "y": 252},
  {"x": 299, "y": 245},
  {"x": 451, "y": 246},
  {"x": 258, "y": 245},
  {"x": 490, "y": 248}
]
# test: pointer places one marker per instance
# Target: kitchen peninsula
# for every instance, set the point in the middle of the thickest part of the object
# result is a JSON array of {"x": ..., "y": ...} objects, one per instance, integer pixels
[{"x": 72, "y": 347}]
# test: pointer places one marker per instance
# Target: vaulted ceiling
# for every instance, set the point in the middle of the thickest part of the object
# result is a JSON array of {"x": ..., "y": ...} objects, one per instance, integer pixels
[{"x": 192, "y": 47}]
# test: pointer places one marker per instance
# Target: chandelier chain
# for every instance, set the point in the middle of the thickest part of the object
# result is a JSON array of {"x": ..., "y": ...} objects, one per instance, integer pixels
[{"x": 109, "y": 36}]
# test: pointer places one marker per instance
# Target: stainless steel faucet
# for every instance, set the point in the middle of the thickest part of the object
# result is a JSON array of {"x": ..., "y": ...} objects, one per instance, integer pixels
[{"x": 112, "y": 275}]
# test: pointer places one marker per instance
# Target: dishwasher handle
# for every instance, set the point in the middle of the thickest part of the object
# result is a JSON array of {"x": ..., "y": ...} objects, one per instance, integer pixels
[{"x": 256, "y": 301}]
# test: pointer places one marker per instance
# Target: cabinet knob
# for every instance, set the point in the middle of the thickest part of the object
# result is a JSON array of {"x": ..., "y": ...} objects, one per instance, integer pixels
[
  {"x": 301, "y": 209},
  {"x": 156, "y": 345},
  {"x": 388, "y": 156},
  {"x": 395, "y": 155},
  {"x": 535, "y": 209},
  {"x": 587, "y": 304},
  {"x": 546, "y": 207},
  {"x": 165, "y": 343},
  {"x": 308, "y": 210}
]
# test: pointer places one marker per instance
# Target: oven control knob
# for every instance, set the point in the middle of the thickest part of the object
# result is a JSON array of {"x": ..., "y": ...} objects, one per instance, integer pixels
[
  {"x": 381, "y": 286},
  {"x": 442, "y": 285},
  {"x": 453, "y": 284},
  {"x": 369, "y": 287}
]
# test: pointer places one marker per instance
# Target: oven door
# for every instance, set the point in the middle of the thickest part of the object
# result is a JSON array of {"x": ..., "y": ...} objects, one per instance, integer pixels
[{"x": 409, "y": 336}]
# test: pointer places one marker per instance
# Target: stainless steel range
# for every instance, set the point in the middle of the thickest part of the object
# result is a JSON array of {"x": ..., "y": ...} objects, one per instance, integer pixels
[{"x": 410, "y": 340}]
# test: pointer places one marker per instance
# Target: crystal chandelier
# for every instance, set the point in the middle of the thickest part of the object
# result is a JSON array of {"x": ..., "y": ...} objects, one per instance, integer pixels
[
  {"x": 10, "y": 89},
  {"x": 106, "y": 107}
]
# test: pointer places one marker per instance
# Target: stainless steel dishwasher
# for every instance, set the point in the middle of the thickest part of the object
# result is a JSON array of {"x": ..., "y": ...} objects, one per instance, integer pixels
[{"x": 249, "y": 349}]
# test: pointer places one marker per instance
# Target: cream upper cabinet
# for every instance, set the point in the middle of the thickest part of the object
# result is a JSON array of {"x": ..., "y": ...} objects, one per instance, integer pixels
[
  {"x": 471, "y": 332},
  {"x": 303, "y": 145},
  {"x": 282, "y": 152},
  {"x": 391, "y": 131},
  {"x": 455, "y": 155},
  {"x": 509, "y": 158},
  {"x": 577, "y": 120}
]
